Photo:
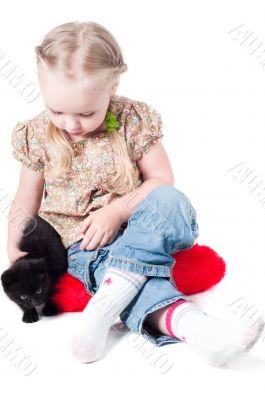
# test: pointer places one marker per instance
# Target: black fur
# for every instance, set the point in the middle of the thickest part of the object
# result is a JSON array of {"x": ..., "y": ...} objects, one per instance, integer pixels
[{"x": 35, "y": 274}]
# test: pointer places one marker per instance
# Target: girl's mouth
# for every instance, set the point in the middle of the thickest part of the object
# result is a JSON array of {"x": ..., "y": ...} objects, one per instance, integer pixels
[{"x": 76, "y": 133}]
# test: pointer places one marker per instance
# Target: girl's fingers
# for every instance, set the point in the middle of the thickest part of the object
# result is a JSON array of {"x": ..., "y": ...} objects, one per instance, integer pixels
[
  {"x": 104, "y": 241},
  {"x": 87, "y": 238},
  {"x": 80, "y": 236},
  {"x": 95, "y": 242},
  {"x": 85, "y": 225}
]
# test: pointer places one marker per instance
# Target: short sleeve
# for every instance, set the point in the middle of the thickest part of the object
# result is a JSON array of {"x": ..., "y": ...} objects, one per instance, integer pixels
[
  {"x": 26, "y": 147},
  {"x": 143, "y": 127}
]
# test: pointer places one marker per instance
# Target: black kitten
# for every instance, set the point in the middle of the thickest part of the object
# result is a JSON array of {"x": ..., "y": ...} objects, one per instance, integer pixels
[{"x": 30, "y": 280}]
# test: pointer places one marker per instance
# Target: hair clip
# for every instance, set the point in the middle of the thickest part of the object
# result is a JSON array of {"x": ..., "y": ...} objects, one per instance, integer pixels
[{"x": 111, "y": 122}]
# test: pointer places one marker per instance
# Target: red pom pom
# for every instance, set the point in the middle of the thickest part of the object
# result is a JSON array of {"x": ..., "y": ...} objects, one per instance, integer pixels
[
  {"x": 71, "y": 294},
  {"x": 197, "y": 269}
]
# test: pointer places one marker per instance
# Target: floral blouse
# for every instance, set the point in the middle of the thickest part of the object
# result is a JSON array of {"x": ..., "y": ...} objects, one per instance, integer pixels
[{"x": 68, "y": 199}]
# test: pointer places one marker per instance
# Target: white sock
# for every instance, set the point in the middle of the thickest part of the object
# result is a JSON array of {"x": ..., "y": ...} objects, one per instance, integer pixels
[
  {"x": 215, "y": 340},
  {"x": 116, "y": 291}
]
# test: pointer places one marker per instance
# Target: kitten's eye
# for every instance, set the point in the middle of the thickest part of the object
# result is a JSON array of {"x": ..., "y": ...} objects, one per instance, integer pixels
[
  {"x": 39, "y": 291},
  {"x": 24, "y": 296}
]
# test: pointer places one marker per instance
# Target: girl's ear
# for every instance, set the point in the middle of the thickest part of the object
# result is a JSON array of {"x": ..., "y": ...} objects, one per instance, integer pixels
[
  {"x": 115, "y": 86},
  {"x": 7, "y": 278}
]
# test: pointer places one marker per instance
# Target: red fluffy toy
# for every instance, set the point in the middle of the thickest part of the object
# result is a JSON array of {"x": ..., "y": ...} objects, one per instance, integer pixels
[{"x": 195, "y": 270}]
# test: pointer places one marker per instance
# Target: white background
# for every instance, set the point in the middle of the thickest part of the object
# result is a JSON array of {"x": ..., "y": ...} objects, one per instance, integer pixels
[{"x": 209, "y": 89}]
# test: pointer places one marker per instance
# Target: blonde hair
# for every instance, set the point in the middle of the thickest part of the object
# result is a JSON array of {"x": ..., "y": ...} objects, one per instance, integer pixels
[{"x": 92, "y": 48}]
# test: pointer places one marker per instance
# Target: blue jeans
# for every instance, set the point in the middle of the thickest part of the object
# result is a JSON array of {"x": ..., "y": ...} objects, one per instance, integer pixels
[{"x": 163, "y": 223}]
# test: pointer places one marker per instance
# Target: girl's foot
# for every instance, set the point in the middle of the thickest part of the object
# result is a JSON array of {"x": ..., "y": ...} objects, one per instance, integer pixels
[
  {"x": 117, "y": 290},
  {"x": 214, "y": 340}
]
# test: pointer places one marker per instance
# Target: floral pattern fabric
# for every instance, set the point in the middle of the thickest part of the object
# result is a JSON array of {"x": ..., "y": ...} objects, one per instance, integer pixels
[{"x": 69, "y": 198}]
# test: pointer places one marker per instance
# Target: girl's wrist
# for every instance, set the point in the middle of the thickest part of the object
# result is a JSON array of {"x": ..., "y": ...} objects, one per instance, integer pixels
[{"x": 120, "y": 209}]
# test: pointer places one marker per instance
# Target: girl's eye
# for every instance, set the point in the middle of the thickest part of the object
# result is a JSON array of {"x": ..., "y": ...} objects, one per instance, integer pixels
[
  {"x": 82, "y": 115},
  {"x": 55, "y": 113},
  {"x": 86, "y": 115}
]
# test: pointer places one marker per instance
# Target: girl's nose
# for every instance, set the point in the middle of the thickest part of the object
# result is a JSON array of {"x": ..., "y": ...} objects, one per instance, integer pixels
[{"x": 72, "y": 124}]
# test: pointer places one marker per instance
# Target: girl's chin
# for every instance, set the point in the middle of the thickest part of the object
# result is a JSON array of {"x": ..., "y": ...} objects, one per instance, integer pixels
[
  {"x": 83, "y": 135},
  {"x": 76, "y": 134}
]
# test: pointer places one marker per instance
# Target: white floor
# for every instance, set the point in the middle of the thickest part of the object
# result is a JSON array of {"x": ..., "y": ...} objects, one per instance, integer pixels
[
  {"x": 130, "y": 363},
  {"x": 232, "y": 222},
  {"x": 187, "y": 60}
]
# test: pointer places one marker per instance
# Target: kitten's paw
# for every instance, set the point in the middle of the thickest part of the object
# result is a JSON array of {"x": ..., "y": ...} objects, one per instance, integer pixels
[
  {"x": 30, "y": 316},
  {"x": 49, "y": 310}
]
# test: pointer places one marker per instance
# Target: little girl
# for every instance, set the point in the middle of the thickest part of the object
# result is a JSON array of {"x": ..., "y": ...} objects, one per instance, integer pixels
[{"x": 109, "y": 192}]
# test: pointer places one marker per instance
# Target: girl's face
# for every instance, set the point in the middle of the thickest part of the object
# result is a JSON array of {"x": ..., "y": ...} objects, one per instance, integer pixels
[{"x": 77, "y": 109}]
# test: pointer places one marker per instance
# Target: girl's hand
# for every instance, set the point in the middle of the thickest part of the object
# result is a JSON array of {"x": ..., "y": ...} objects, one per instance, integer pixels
[
  {"x": 100, "y": 227},
  {"x": 15, "y": 254}
]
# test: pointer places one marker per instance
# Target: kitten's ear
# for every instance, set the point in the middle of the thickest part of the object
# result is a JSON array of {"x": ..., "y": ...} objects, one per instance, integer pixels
[
  {"x": 7, "y": 278},
  {"x": 40, "y": 264}
]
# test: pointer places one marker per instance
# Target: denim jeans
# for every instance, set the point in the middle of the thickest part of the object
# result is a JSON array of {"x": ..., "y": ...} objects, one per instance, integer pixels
[{"x": 162, "y": 223}]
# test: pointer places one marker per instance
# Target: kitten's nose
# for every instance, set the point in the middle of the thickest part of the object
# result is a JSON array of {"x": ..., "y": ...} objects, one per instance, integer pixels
[{"x": 35, "y": 303}]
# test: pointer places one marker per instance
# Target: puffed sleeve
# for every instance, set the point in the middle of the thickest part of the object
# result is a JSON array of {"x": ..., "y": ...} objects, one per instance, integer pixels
[
  {"x": 26, "y": 147},
  {"x": 143, "y": 127}
]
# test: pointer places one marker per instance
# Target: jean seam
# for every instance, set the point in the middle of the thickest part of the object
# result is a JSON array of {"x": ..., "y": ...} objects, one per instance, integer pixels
[
  {"x": 137, "y": 262},
  {"x": 184, "y": 245},
  {"x": 193, "y": 221},
  {"x": 80, "y": 277},
  {"x": 190, "y": 212}
]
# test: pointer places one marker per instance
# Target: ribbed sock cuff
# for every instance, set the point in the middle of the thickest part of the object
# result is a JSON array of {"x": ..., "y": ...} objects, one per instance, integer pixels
[
  {"x": 169, "y": 313},
  {"x": 135, "y": 279}
]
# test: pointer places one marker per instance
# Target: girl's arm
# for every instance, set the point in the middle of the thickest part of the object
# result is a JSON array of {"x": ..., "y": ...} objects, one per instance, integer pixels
[
  {"x": 156, "y": 170},
  {"x": 26, "y": 204}
]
